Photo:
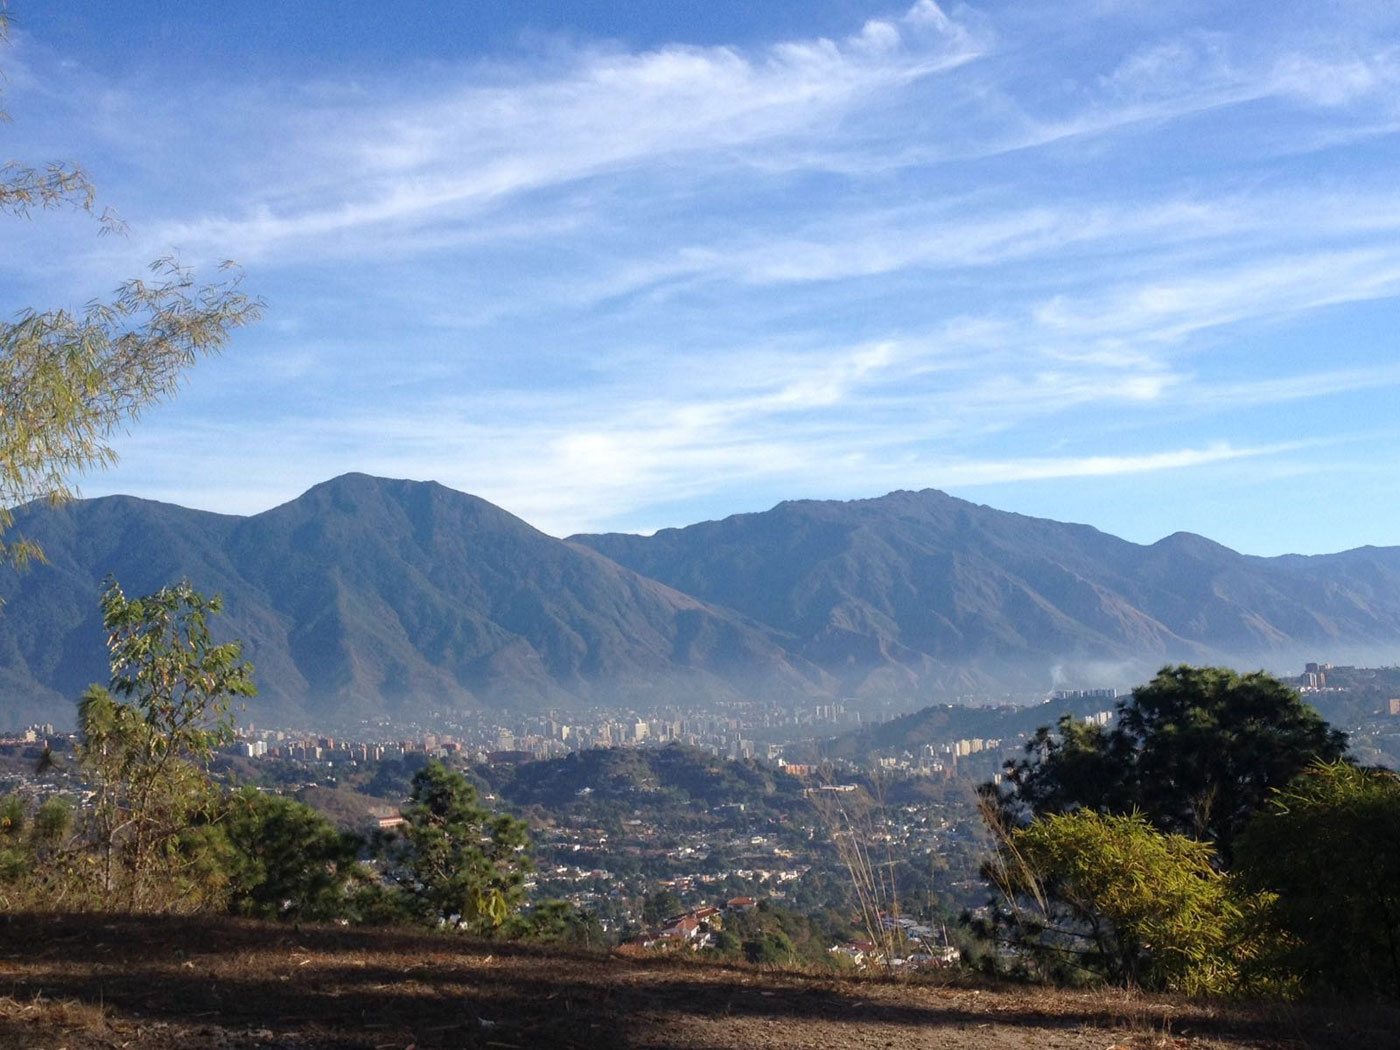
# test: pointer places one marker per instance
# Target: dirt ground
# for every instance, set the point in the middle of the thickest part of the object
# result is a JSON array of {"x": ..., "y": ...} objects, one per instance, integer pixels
[{"x": 90, "y": 982}]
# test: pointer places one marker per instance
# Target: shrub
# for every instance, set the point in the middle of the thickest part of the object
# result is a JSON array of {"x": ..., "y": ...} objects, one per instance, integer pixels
[
  {"x": 1326, "y": 850},
  {"x": 1089, "y": 893}
]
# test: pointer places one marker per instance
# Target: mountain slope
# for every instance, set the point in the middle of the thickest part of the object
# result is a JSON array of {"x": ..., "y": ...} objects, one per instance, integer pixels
[
  {"x": 919, "y": 587},
  {"x": 367, "y": 597},
  {"x": 370, "y": 598}
]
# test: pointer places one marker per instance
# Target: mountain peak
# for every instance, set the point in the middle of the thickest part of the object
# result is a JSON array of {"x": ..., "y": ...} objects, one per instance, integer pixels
[
  {"x": 1193, "y": 544},
  {"x": 356, "y": 485},
  {"x": 355, "y": 480}
]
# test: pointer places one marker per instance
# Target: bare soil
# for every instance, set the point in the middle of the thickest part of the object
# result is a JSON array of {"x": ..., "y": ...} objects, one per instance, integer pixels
[{"x": 100, "y": 982}]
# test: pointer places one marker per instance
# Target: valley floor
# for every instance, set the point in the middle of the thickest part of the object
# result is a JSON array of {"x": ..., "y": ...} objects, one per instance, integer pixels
[{"x": 110, "y": 982}]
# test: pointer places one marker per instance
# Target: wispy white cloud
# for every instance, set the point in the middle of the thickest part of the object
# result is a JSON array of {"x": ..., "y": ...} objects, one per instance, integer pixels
[
  {"x": 1172, "y": 308},
  {"x": 595, "y": 284},
  {"x": 1304, "y": 386},
  {"x": 463, "y": 147},
  {"x": 971, "y": 233}
]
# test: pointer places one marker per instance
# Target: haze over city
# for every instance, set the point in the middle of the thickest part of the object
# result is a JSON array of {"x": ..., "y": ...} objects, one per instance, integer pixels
[{"x": 623, "y": 267}]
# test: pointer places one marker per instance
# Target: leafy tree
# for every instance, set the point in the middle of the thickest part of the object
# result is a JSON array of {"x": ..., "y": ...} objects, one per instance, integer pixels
[
  {"x": 146, "y": 739},
  {"x": 455, "y": 862},
  {"x": 1112, "y": 896},
  {"x": 776, "y": 936},
  {"x": 727, "y": 944},
  {"x": 374, "y": 904},
  {"x": 14, "y": 860},
  {"x": 287, "y": 860},
  {"x": 37, "y": 867},
  {"x": 559, "y": 922},
  {"x": 770, "y": 948},
  {"x": 52, "y": 822},
  {"x": 1074, "y": 765},
  {"x": 69, "y": 380},
  {"x": 392, "y": 779},
  {"x": 1326, "y": 849},
  {"x": 1197, "y": 751},
  {"x": 660, "y": 906}
]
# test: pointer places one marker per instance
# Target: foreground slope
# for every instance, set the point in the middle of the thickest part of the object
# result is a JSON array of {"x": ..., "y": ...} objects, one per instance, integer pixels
[
  {"x": 90, "y": 982},
  {"x": 367, "y": 598},
  {"x": 920, "y": 589}
]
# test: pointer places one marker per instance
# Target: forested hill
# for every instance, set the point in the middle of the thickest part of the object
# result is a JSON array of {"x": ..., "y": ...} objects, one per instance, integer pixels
[
  {"x": 940, "y": 723},
  {"x": 368, "y": 597},
  {"x": 623, "y": 778}
]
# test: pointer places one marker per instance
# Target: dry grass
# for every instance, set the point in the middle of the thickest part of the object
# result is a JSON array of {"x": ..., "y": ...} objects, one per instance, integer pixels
[{"x": 89, "y": 982}]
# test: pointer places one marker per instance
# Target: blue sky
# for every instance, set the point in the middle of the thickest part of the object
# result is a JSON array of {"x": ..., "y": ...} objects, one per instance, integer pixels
[{"x": 624, "y": 266}]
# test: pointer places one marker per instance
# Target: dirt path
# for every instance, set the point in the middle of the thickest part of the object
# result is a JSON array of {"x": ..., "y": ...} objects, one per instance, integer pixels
[{"x": 84, "y": 983}]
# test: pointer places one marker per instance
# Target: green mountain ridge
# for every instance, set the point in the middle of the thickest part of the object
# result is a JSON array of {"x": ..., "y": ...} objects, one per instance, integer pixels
[
  {"x": 925, "y": 586},
  {"x": 367, "y": 598},
  {"x": 373, "y": 598}
]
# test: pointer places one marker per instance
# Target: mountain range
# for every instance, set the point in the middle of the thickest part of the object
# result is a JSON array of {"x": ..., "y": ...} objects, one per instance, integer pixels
[{"x": 377, "y": 598}]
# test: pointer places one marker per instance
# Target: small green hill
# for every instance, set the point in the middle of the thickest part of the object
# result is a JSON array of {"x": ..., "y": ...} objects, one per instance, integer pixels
[{"x": 671, "y": 776}]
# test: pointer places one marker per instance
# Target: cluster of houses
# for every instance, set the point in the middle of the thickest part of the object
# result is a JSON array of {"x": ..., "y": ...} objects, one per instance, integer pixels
[
  {"x": 693, "y": 929},
  {"x": 907, "y": 945}
]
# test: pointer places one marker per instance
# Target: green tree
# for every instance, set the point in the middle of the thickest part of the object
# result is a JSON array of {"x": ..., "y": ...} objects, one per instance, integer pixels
[
  {"x": 52, "y": 822},
  {"x": 37, "y": 868},
  {"x": 727, "y": 944},
  {"x": 69, "y": 380},
  {"x": 660, "y": 906},
  {"x": 455, "y": 862},
  {"x": 1074, "y": 765},
  {"x": 147, "y": 738},
  {"x": 1326, "y": 851},
  {"x": 559, "y": 922},
  {"x": 287, "y": 861},
  {"x": 770, "y": 948},
  {"x": 1197, "y": 751},
  {"x": 14, "y": 858},
  {"x": 1112, "y": 896}
]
